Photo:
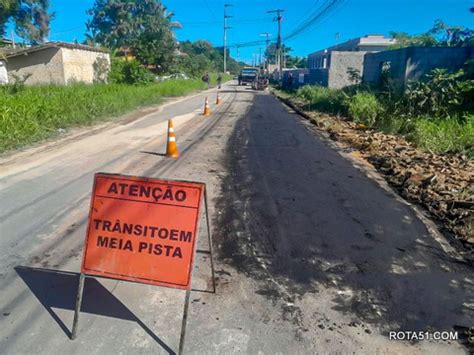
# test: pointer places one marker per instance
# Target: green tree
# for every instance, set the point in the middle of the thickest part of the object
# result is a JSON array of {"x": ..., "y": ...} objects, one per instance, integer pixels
[
  {"x": 271, "y": 52},
  {"x": 7, "y": 9},
  {"x": 194, "y": 65},
  {"x": 31, "y": 18},
  {"x": 404, "y": 39},
  {"x": 440, "y": 35},
  {"x": 144, "y": 27},
  {"x": 452, "y": 36},
  {"x": 296, "y": 62},
  {"x": 200, "y": 57}
]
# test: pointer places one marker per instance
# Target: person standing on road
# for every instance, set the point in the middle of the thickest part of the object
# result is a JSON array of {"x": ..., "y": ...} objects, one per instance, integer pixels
[
  {"x": 207, "y": 80},
  {"x": 219, "y": 81}
]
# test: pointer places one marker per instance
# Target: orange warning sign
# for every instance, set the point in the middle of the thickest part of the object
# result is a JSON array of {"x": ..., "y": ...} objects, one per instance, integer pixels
[{"x": 143, "y": 230}]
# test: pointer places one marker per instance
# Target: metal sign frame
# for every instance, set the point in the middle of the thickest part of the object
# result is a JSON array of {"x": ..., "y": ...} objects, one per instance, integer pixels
[{"x": 82, "y": 277}]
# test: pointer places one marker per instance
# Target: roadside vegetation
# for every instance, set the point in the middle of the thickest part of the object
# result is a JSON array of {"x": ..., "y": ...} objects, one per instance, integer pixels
[
  {"x": 147, "y": 65},
  {"x": 436, "y": 113},
  {"x": 30, "y": 114}
]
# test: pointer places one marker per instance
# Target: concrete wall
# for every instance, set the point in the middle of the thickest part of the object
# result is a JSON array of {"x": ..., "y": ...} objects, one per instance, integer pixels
[
  {"x": 298, "y": 77},
  {"x": 3, "y": 73},
  {"x": 59, "y": 65},
  {"x": 85, "y": 66},
  {"x": 374, "y": 62},
  {"x": 41, "y": 67},
  {"x": 411, "y": 64},
  {"x": 318, "y": 76},
  {"x": 423, "y": 60},
  {"x": 339, "y": 65}
]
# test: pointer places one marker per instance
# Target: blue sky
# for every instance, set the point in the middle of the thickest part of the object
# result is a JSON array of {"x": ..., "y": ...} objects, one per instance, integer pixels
[{"x": 202, "y": 19}]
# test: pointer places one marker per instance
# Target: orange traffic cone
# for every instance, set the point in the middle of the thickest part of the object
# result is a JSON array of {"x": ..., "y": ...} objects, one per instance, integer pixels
[
  {"x": 218, "y": 99},
  {"x": 207, "y": 109},
  {"x": 171, "y": 146}
]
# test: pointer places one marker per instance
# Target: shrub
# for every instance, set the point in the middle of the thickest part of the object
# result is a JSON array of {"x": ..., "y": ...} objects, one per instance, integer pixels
[
  {"x": 437, "y": 95},
  {"x": 322, "y": 98},
  {"x": 129, "y": 72},
  {"x": 364, "y": 108},
  {"x": 306, "y": 93}
]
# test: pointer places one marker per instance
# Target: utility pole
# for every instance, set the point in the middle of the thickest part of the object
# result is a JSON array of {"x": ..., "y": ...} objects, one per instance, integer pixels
[
  {"x": 225, "y": 35},
  {"x": 260, "y": 56},
  {"x": 267, "y": 42},
  {"x": 279, "y": 42}
]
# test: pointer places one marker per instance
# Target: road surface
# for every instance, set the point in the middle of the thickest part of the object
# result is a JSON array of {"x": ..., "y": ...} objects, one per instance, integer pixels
[{"x": 313, "y": 255}]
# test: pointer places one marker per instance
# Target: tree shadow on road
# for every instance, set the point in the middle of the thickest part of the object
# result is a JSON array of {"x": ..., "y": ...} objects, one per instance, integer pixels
[{"x": 58, "y": 289}]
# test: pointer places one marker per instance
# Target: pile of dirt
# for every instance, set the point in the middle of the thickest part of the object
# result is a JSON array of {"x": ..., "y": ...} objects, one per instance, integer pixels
[{"x": 443, "y": 184}]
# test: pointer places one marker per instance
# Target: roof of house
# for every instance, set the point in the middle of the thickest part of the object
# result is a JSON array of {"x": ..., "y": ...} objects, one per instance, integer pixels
[
  {"x": 14, "y": 52},
  {"x": 6, "y": 41},
  {"x": 370, "y": 40}
]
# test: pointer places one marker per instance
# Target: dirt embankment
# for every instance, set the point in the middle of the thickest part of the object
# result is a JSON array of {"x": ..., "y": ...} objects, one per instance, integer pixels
[{"x": 442, "y": 184}]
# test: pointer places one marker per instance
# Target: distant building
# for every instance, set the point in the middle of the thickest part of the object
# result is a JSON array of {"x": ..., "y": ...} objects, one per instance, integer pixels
[
  {"x": 57, "y": 63},
  {"x": 329, "y": 66}
]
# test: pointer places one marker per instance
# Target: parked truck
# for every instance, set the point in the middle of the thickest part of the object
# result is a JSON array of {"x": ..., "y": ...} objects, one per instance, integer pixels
[{"x": 248, "y": 75}]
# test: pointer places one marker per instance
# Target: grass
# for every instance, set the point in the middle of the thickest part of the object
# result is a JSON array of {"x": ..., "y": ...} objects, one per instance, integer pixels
[
  {"x": 437, "y": 134},
  {"x": 445, "y": 136},
  {"x": 322, "y": 99},
  {"x": 30, "y": 114}
]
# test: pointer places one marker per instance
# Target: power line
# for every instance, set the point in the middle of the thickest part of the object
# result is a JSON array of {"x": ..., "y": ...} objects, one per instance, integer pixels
[
  {"x": 255, "y": 20},
  {"x": 307, "y": 11},
  {"x": 316, "y": 16},
  {"x": 68, "y": 30}
]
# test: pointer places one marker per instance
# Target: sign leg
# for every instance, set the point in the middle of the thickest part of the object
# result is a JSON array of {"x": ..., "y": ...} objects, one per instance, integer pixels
[
  {"x": 210, "y": 242},
  {"x": 183, "y": 325},
  {"x": 78, "y": 306}
]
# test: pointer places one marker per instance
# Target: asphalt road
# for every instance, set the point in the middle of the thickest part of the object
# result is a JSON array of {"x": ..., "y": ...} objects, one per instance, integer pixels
[{"x": 313, "y": 255}]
